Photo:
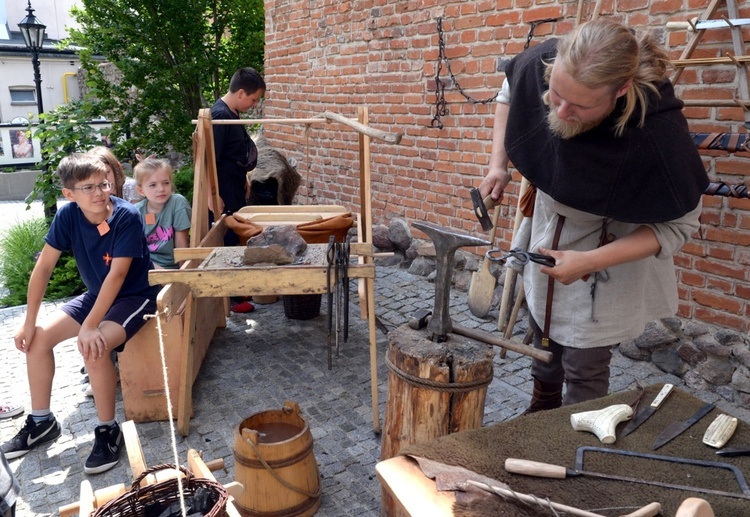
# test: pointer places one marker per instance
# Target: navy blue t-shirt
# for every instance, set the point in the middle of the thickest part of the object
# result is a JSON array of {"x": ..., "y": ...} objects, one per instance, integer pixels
[{"x": 70, "y": 230}]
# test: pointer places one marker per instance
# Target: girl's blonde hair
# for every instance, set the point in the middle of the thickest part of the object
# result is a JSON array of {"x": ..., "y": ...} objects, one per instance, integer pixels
[
  {"x": 104, "y": 155},
  {"x": 604, "y": 53},
  {"x": 147, "y": 167}
]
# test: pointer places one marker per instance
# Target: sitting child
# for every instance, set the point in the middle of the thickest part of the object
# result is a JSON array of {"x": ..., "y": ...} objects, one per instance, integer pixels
[
  {"x": 106, "y": 236},
  {"x": 166, "y": 215},
  {"x": 124, "y": 186}
]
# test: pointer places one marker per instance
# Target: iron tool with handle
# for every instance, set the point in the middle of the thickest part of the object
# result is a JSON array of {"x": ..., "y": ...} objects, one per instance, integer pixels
[{"x": 644, "y": 414}]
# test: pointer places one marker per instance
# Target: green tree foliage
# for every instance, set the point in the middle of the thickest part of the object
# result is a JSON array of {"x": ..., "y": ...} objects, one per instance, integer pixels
[
  {"x": 18, "y": 250},
  {"x": 172, "y": 57},
  {"x": 61, "y": 131}
]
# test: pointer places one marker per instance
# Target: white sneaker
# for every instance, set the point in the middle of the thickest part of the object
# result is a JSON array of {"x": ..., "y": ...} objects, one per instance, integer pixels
[
  {"x": 87, "y": 391},
  {"x": 10, "y": 408}
]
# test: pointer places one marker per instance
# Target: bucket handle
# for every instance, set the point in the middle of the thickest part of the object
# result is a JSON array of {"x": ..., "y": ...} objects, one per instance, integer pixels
[
  {"x": 285, "y": 483},
  {"x": 290, "y": 407}
]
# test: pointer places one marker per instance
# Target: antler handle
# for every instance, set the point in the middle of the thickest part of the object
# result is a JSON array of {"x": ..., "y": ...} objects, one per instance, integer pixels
[{"x": 602, "y": 422}]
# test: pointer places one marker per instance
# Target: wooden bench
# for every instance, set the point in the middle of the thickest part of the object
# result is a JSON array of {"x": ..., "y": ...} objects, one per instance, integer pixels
[{"x": 141, "y": 378}]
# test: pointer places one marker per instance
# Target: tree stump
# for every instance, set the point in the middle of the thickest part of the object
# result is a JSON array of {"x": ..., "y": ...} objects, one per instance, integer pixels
[{"x": 434, "y": 389}]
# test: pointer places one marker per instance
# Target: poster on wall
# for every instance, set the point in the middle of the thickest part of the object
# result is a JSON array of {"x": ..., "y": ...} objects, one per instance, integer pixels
[
  {"x": 19, "y": 149},
  {"x": 21, "y": 145}
]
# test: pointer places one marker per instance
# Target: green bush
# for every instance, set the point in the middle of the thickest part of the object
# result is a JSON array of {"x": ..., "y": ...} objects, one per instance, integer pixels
[
  {"x": 18, "y": 250},
  {"x": 183, "y": 181}
]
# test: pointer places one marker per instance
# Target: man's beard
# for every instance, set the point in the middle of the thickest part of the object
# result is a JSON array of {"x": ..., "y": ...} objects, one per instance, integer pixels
[{"x": 567, "y": 130}]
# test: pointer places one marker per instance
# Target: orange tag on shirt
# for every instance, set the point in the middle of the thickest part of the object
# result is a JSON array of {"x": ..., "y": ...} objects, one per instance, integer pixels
[
  {"x": 150, "y": 219},
  {"x": 103, "y": 228}
]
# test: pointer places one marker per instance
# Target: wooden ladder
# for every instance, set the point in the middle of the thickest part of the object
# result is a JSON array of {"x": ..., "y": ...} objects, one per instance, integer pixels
[{"x": 739, "y": 59}]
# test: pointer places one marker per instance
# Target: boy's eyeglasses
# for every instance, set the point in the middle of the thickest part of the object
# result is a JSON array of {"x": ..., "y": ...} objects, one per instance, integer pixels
[{"x": 104, "y": 186}]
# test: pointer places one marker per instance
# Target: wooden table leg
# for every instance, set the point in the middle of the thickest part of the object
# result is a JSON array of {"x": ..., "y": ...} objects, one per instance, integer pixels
[
  {"x": 370, "y": 292},
  {"x": 185, "y": 399}
]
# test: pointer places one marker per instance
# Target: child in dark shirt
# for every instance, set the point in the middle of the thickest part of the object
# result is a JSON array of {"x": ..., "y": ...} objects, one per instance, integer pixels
[{"x": 106, "y": 236}]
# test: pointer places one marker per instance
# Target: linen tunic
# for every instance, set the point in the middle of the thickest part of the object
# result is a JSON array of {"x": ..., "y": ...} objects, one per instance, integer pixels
[{"x": 636, "y": 292}]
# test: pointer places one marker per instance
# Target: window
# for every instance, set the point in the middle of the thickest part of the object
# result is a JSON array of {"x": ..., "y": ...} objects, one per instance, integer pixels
[{"x": 22, "y": 95}]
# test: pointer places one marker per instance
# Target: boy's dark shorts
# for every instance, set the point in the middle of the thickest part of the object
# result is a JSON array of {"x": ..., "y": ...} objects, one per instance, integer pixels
[{"x": 127, "y": 312}]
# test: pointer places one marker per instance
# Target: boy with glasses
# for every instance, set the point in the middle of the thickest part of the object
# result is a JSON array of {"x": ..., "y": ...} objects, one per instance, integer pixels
[{"x": 105, "y": 234}]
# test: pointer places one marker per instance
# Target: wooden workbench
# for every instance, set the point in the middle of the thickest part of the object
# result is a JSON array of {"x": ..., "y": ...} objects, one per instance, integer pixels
[
  {"x": 548, "y": 437},
  {"x": 203, "y": 279}
]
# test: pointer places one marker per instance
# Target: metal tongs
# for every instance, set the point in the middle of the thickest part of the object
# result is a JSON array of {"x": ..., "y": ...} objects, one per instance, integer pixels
[
  {"x": 337, "y": 290},
  {"x": 523, "y": 257}
]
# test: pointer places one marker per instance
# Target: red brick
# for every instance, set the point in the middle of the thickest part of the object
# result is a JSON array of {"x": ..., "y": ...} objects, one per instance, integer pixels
[
  {"x": 339, "y": 57},
  {"x": 722, "y": 319},
  {"x": 692, "y": 279}
]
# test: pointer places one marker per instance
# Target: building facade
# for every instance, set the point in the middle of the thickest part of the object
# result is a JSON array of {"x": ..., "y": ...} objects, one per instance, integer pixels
[{"x": 18, "y": 96}]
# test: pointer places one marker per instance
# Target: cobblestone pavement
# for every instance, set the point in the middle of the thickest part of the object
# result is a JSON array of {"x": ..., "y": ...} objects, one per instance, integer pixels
[{"x": 254, "y": 364}]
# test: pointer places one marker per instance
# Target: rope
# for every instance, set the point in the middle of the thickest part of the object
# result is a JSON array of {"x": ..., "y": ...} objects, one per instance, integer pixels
[
  {"x": 449, "y": 387},
  {"x": 169, "y": 412},
  {"x": 285, "y": 483}
]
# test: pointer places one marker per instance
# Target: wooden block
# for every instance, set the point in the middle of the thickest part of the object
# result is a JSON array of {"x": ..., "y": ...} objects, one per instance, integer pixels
[
  {"x": 141, "y": 377},
  {"x": 414, "y": 493}
]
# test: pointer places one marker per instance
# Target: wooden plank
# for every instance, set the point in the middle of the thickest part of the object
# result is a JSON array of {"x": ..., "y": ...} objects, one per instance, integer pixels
[
  {"x": 211, "y": 174},
  {"x": 291, "y": 209},
  {"x": 281, "y": 219},
  {"x": 185, "y": 400},
  {"x": 199, "y": 217},
  {"x": 133, "y": 447},
  {"x": 181, "y": 254},
  {"x": 256, "y": 281},
  {"x": 141, "y": 378},
  {"x": 87, "y": 499},
  {"x": 695, "y": 39},
  {"x": 370, "y": 290},
  {"x": 171, "y": 301},
  {"x": 738, "y": 44},
  {"x": 253, "y": 121},
  {"x": 364, "y": 129},
  {"x": 415, "y": 493}
]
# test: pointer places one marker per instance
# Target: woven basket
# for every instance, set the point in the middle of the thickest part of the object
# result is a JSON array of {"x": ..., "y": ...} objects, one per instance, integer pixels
[
  {"x": 302, "y": 306},
  {"x": 133, "y": 503}
]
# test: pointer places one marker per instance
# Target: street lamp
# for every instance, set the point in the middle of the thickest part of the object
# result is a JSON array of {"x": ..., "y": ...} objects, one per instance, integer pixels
[{"x": 33, "y": 35}]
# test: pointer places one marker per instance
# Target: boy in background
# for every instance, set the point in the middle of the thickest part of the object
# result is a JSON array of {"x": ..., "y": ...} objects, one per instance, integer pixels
[
  {"x": 236, "y": 153},
  {"x": 106, "y": 236},
  {"x": 166, "y": 215}
]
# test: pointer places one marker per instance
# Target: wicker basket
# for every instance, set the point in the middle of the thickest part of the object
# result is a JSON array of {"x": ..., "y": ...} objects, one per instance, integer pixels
[
  {"x": 302, "y": 306},
  {"x": 133, "y": 503}
]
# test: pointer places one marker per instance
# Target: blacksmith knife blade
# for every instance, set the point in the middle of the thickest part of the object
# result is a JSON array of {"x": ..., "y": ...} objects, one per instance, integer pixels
[
  {"x": 731, "y": 452},
  {"x": 645, "y": 413},
  {"x": 677, "y": 428}
]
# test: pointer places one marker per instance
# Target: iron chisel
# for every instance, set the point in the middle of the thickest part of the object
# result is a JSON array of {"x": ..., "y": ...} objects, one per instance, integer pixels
[
  {"x": 645, "y": 413},
  {"x": 677, "y": 428}
]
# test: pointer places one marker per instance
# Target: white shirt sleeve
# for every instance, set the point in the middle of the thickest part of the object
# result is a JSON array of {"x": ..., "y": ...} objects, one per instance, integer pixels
[{"x": 503, "y": 96}]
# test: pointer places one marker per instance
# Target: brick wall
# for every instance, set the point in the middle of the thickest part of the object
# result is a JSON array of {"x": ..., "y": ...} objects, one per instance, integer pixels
[{"x": 340, "y": 55}]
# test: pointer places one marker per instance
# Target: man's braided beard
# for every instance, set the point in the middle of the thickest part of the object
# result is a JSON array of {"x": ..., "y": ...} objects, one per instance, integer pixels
[{"x": 567, "y": 130}]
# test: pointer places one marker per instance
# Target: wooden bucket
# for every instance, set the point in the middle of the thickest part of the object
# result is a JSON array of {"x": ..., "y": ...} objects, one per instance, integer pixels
[{"x": 274, "y": 461}]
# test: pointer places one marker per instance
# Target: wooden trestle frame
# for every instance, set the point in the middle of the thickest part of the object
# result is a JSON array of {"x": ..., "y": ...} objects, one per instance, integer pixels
[{"x": 218, "y": 284}]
